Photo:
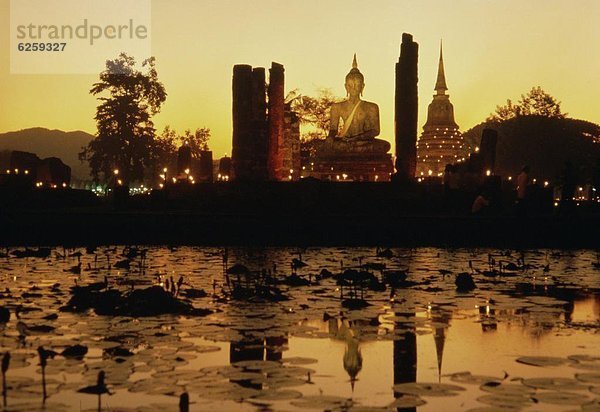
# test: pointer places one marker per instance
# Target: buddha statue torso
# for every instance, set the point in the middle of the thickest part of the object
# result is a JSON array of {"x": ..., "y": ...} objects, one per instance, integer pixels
[{"x": 354, "y": 123}]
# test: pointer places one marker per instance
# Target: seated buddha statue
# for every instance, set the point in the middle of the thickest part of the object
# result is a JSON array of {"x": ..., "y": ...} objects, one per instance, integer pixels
[{"x": 360, "y": 122}]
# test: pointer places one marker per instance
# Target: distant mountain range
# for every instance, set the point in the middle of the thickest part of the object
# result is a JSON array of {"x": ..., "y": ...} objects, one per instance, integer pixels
[{"x": 50, "y": 143}]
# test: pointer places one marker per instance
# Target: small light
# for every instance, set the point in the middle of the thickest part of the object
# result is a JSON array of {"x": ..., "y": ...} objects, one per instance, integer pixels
[
  {"x": 488, "y": 172},
  {"x": 546, "y": 183},
  {"x": 509, "y": 178},
  {"x": 187, "y": 171},
  {"x": 119, "y": 181},
  {"x": 26, "y": 172},
  {"x": 116, "y": 171},
  {"x": 161, "y": 185},
  {"x": 64, "y": 184},
  {"x": 165, "y": 170}
]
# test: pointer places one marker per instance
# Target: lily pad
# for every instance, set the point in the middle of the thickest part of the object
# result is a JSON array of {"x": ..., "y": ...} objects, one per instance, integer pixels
[
  {"x": 562, "y": 398},
  {"x": 297, "y": 360},
  {"x": 467, "y": 377},
  {"x": 428, "y": 389},
  {"x": 508, "y": 389},
  {"x": 506, "y": 402},
  {"x": 407, "y": 401},
  {"x": 589, "y": 377},
  {"x": 322, "y": 402},
  {"x": 542, "y": 360},
  {"x": 556, "y": 384},
  {"x": 278, "y": 395}
]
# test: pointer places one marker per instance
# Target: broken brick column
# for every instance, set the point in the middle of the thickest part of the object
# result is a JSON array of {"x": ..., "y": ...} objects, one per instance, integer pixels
[
  {"x": 406, "y": 109},
  {"x": 276, "y": 122},
  {"x": 242, "y": 122}
]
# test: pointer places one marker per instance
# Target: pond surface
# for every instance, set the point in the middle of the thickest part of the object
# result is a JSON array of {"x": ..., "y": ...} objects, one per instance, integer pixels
[{"x": 526, "y": 338}]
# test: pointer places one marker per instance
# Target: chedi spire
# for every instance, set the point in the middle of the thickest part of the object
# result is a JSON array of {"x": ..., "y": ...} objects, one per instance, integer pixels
[{"x": 440, "y": 84}]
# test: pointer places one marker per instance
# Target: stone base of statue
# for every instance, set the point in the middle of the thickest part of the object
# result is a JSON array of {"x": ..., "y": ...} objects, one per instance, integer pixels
[{"x": 340, "y": 160}]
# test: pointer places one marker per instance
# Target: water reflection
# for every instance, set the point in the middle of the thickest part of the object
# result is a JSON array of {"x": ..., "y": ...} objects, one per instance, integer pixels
[{"x": 250, "y": 354}]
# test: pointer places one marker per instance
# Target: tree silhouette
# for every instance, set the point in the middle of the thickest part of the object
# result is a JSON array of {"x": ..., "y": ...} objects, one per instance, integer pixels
[
  {"x": 198, "y": 141},
  {"x": 164, "y": 149},
  {"x": 315, "y": 113},
  {"x": 164, "y": 153},
  {"x": 535, "y": 103},
  {"x": 126, "y": 136}
]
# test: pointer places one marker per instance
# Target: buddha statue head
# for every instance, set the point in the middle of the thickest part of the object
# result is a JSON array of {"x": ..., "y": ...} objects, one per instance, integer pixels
[{"x": 355, "y": 81}]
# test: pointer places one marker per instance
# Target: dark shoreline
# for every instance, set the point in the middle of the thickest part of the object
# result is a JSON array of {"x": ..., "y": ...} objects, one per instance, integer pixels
[
  {"x": 96, "y": 227},
  {"x": 305, "y": 213}
]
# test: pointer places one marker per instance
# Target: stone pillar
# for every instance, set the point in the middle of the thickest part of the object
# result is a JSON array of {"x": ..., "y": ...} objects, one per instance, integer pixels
[
  {"x": 291, "y": 136},
  {"x": 184, "y": 159},
  {"x": 406, "y": 109},
  {"x": 242, "y": 122},
  {"x": 205, "y": 167},
  {"x": 276, "y": 121},
  {"x": 224, "y": 168},
  {"x": 487, "y": 150},
  {"x": 259, "y": 125}
]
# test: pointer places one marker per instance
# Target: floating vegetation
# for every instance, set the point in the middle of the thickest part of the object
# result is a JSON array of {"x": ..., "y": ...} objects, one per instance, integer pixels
[
  {"x": 428, "y": 389},
  {"x": 407, "y": 401},
  {"x": 507, "y": 389},
  {"x": 151, "y": 301},
  {"x": 467, "y": 377},
  {"x": 270, "y": 340},
  {"x": 556, "y": 384},
  {"x": 323, "y": 402},
  {"x": 506, "y": 401},
  {"x": 542, "y": 361},
  {"x": 591, "y": 377},
  {"x": 562, "y": 398}
]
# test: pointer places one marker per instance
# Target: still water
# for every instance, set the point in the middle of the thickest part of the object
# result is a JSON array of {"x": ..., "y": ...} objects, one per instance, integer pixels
[{"x": 526, "y": 338}]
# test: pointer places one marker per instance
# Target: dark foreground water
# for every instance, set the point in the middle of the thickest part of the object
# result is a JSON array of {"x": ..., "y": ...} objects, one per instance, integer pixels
[{"x": 525, "y": 339}]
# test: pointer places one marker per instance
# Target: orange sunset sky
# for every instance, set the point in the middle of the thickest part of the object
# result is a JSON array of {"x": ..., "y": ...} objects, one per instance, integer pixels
[{"x": 493, "y": 50}]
